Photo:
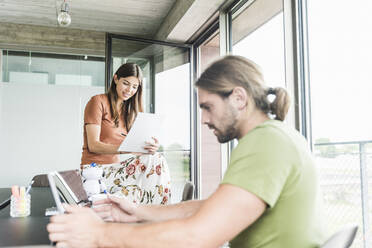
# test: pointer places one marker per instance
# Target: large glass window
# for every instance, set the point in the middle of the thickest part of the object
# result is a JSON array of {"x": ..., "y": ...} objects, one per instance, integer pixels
[
  {"x": 258, "y": 34},
  {"x": 340, "y": 80},
  {"x": 166, "y": 92}
]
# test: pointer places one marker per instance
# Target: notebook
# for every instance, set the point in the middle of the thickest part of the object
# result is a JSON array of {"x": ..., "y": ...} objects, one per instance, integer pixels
[{"x": 145, "y": 126}]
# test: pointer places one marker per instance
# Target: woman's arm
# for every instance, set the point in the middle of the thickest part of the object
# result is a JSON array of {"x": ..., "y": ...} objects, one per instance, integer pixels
[
  {"x": 97, "y": 146},
  {"x": 94, "y": 144}
]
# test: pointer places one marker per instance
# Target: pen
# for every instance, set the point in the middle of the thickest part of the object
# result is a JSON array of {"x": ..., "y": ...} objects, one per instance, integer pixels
[
  {"x": 29, "y": 187},
  {"x": 4, "y": 203}
]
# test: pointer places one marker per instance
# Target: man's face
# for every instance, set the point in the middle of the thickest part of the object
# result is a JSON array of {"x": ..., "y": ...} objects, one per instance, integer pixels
[{"x": 219, "y": 115}]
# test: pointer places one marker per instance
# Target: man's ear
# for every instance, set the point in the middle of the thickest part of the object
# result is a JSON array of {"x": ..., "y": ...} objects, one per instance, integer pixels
[{"x": 239, "y": 97}]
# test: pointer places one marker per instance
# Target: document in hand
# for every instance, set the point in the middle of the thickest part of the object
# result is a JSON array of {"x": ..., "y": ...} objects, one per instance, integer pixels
[{"x": 145, "y": 126}]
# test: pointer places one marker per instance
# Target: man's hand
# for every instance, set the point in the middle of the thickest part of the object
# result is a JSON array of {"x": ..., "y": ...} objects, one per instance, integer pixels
[
  {"x": 152, "y": 147},
  {"x": 81, "y": 227},
  {"x": 116, "y": 209}
]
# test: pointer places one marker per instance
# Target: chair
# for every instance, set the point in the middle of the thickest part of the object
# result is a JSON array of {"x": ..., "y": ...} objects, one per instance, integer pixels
[
  {"x": 188, "y": 191},
  {"x": 40, "y": 181},
  {"x": 341, "y": 239}
]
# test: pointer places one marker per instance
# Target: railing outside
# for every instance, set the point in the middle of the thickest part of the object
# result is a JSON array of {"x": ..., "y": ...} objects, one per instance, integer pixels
[{"x": 346, "y": 183}]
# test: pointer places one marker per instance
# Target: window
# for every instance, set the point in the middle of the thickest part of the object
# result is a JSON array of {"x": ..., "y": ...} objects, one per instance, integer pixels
[
  {"x": 258, "y": 34},
  {"x": 167, "y": 92},
  {"x": 55, "y": 69},
  {"x": 172, "y": 100},
  {"x": 340, "y": 80}
]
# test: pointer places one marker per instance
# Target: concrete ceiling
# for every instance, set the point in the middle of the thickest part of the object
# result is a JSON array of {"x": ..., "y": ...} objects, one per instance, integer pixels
[{"x": 172, "y": 20}]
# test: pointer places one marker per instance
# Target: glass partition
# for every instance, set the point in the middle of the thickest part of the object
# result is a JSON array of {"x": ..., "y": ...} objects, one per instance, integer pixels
[
  {"x": 56, "y": 69},
  {"x": 42, "y": 101},
  {"x": 166, "y": 92}
]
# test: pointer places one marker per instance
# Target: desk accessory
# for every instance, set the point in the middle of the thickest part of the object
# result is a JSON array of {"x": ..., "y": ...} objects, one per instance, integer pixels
[
  {"x": 20, "y": 202},
  {"x": 5, "y": 203}
]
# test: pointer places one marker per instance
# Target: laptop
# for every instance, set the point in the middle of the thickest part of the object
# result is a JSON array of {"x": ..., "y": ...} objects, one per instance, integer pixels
[{"x": 67, "y": 187}]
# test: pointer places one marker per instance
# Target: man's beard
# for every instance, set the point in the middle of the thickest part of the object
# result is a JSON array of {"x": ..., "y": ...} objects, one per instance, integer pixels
[
  {"x": 229, "y": 134},
  {"x": 229, "y": 128}
]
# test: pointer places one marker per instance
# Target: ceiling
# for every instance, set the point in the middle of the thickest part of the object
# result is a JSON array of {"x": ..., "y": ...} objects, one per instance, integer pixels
[{"x": 175, "y": 20}]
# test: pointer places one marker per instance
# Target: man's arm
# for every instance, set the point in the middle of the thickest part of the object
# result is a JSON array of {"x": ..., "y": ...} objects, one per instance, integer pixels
[
  {"x": 220, "y": 218},
  {"x": 169, "y": 212},
  {"x": 225, "y": 214},
  {"x": 122, "y": 210}
]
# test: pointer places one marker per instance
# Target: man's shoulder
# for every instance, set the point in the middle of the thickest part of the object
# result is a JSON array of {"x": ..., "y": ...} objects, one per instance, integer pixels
[
  {"x": 270, "y": 132},
  {"x": 271, "y": 139}
]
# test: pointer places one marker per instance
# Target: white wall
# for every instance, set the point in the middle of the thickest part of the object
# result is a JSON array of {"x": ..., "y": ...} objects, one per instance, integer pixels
[{"x": 41, "y": 129}]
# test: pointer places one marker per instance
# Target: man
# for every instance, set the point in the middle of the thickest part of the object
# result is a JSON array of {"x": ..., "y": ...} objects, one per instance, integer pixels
[{"x": 267, "y": 198}]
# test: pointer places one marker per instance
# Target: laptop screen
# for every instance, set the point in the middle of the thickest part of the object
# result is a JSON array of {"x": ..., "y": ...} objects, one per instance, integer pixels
[{"x": 67, "y": 185}]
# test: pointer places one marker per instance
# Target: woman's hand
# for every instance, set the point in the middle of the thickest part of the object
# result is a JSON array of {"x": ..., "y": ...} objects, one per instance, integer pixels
[
  {"x": 152, "y": 147},
  {"x": 116, "y": 209}
]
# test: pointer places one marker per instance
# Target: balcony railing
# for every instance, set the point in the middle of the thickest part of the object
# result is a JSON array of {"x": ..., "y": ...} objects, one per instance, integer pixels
[{"x": 346, "y": 182}]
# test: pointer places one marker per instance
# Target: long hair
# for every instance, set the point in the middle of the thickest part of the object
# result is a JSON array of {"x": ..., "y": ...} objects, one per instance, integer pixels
[
  {"x": 133, "y": 105},
  {"x": 235, "y": 71}
]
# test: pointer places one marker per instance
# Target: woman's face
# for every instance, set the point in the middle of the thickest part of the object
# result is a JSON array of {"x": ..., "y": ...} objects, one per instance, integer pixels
[{"x": 126, "y": 87}]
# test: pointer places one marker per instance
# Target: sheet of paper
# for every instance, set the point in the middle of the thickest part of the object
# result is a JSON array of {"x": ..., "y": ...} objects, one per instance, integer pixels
[{"x": 145, "y": 126}]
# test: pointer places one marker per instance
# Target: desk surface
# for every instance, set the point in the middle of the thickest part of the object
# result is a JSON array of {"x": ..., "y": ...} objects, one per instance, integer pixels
[{"x": 30, "y": 230}]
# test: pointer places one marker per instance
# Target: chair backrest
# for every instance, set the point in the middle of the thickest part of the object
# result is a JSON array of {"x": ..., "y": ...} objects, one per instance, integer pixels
[
  {"x": 40, "y": 181},
  {"x": 188, "y": 191},
  {"x": 341, "y": 239}
]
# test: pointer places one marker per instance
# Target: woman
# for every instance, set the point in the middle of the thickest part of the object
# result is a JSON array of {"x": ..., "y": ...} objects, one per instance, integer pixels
[{"x": 107, "y": 120}]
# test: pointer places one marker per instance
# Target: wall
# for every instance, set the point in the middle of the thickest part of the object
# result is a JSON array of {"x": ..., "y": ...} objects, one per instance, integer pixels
[
  {"x": 51, "y": 39},
  {"x": 41, "y": 129},
  {"x": 210, "y": 147}
]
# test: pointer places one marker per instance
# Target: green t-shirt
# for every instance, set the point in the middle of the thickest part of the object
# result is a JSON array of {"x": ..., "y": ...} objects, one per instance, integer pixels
[{"x": 273, "y": 162}]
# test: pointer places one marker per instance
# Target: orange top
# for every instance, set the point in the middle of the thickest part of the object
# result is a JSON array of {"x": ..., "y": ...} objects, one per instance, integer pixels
[{"x": 97, "y": 111}]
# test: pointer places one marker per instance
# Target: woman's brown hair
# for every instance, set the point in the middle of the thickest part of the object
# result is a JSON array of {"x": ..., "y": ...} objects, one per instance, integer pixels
[
  {"x": 133, "y": 105},
  {"x": 236, "y": 71}
]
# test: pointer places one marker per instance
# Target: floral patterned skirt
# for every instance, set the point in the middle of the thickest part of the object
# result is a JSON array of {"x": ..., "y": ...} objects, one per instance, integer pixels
[{"x": 142, "y": 179}]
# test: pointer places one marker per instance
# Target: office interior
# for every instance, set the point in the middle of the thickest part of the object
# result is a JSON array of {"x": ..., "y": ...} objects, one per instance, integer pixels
[{"x": 318, "y": 50}]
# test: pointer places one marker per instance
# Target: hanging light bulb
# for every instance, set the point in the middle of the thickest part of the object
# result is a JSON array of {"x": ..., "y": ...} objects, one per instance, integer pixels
[{"x": 64, "y": 18}]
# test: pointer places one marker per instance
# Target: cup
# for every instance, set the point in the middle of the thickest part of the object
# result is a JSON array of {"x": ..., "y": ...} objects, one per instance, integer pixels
[{"x": 20, "y": 206}]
